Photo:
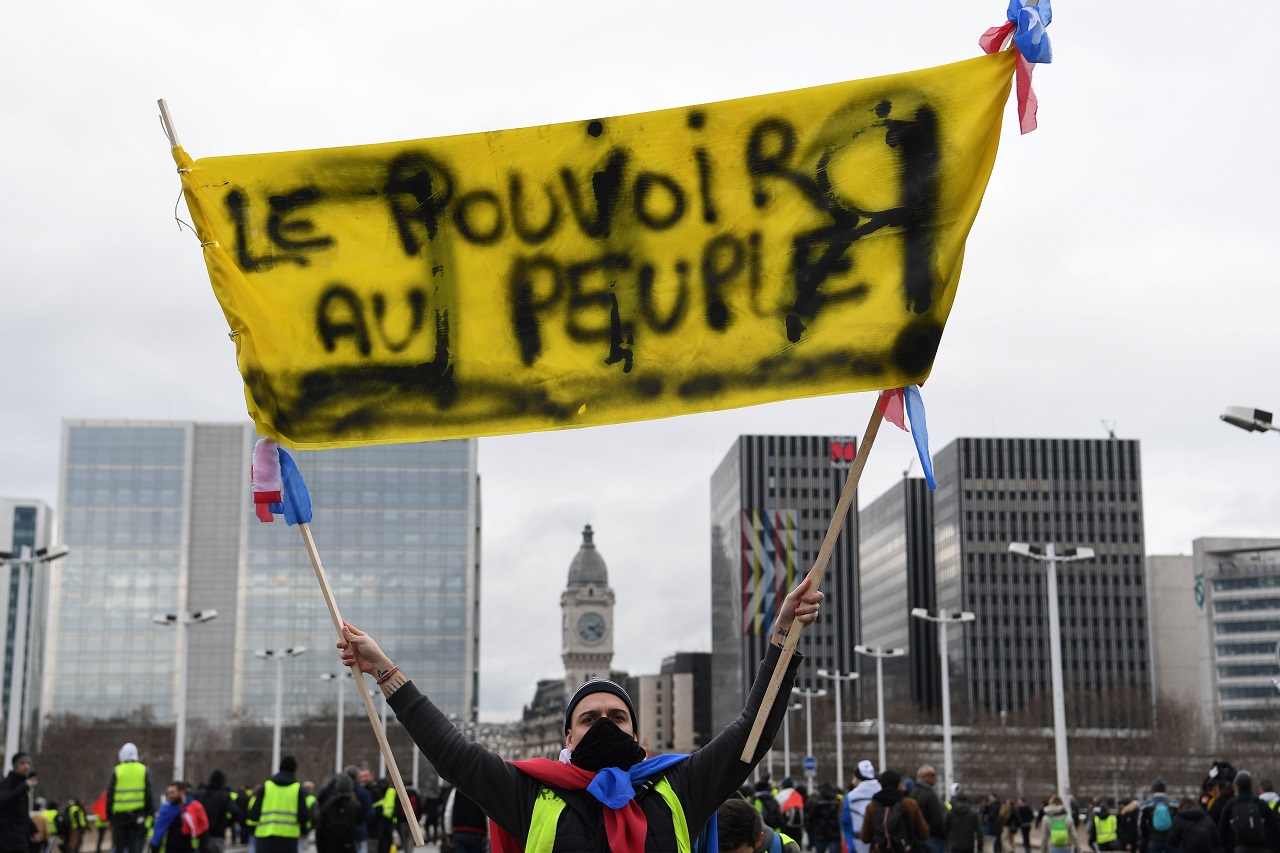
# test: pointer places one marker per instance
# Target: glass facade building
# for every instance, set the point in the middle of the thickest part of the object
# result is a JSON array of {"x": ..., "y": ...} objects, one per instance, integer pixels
[
  {"x": 24, "y": 523},
  {"x": 772, "y": 498},
  {"x": 1236, "y": 584},
  {"x": 159, "y": 519},
  {"x": 895, "y": 568}
]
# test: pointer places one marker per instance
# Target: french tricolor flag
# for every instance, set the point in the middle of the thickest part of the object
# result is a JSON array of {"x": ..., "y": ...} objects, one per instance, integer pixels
[{"x": 278, "y": 487}]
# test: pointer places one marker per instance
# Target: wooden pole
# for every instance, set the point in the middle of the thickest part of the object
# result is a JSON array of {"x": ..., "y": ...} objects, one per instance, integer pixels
[
  {"x": 816, "y": 575},
  {"x": 167, "y": 121},
  {"x": 360, "y": 683}
]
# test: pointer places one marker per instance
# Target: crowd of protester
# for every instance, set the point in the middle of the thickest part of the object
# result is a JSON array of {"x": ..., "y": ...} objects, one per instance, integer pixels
[{"x": 877, "y": 812}]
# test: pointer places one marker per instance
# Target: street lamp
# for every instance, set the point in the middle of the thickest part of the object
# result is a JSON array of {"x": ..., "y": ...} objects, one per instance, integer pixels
[
  {"x": 337, "y": 752},
  {"x": 1050, "y": 557},
  {"x": 278, "y": 655},
  {"x": 182, "y": 622},
  {"x": 943, "y": 621},
  {"x": 839, "y": 679},
  {"x": 808, "y": 696},
  {"x": 880, "y": 654},
  {"x": 24, "y": 563},
  {"x": 786, "y": 737},
  {"x": 1251, "y": 420}
]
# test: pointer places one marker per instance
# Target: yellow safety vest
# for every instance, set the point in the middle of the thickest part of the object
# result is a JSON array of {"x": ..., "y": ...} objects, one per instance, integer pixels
[
  {"x": 75, "y": 815},
  {"x": 546, "y": 817},
  {"x": 130, "y": 794},
  {"x": 1104, "y": 828},
  {"x": 388, "y": 804},
  {"x": 279, "y": 818}
]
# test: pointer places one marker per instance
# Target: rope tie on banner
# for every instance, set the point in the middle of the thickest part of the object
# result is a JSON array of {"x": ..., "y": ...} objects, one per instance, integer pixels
[{"x": 1026, "y": 24}]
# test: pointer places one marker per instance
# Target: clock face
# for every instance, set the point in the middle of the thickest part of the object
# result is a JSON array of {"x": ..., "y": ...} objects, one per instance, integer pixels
[{"x": 591, "y": 627}]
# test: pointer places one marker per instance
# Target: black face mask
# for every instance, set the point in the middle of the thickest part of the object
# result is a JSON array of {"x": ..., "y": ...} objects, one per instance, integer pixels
[{"x": 606, "y": 745}]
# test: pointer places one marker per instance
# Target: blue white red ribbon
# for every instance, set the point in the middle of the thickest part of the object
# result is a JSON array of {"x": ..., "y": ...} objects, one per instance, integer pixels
[
  {"x": 900, "y": 405},
  {"x": 1025, "y": 26},
  {"x": 278, "y": 487}
]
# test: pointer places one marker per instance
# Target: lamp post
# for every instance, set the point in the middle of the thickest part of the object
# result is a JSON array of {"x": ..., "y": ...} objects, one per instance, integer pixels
[
  {"x": 880, "y": 654},
  {"x": 337, "y": 752},
  {"x": 943, "y": 621},
  {"x": 278, "y": 655},
  {"x": 786, "y": 737},
  {"x": 382, "y": 759},
  {"x": 23, "y": 564},
  {"x": 1050, "y": 557},
  {"x": 1251, "y": 420},
  {"x": 839, "y": 680},
  {"x": 182, "y": 621},
  {"x": 808, "y": 696}
]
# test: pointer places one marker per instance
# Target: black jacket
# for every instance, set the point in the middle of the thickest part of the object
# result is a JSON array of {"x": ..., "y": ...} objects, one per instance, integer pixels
[
  {"x": 701, "y": 782},
  {"x": 1194, "y": 832},
  {"x": 215, "y": 796},
  {"x": 822, "y": 818},
  {"x": 935, "y": 813},
  {"x": 15, "y": 814},
  {"x": 337, "y": 828},
  {"x": 964, "y": 827}
]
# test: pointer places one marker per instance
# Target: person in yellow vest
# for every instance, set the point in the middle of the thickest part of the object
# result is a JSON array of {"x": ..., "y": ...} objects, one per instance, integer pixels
[
  {"x": 279, "y": 812},
  {"x": 740, "y": 829},
  {"x": 50, "y": 813},
  {"x": 130, "y": 801},
  {"x": 77, "y": 823},
  {"x": 589, "y": 800},
  {"x": 388, "y": 813},
  {"x": 1104, "y": 829},
  {"x": 308, "y": 794}
]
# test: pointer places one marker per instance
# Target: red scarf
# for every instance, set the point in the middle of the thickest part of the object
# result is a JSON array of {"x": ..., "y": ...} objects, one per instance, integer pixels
[{"x": 625, "y": 828}]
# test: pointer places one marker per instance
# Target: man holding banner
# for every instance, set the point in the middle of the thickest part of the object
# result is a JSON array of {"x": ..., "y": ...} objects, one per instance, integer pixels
[{"x": 603, "y": 794}]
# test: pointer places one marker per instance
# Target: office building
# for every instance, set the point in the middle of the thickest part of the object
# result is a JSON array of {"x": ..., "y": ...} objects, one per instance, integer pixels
[
  {"x": 1236, "y": 587},
  {"x": 895, "y": 569},
  {"x": 160, "y": 521},
  {"x": 1175, "y": 607},
  {"x": 1073, "y": 492},
  {"x": 772, "y": 499},
  {"x": 674, "y": 706},
  {"x": 25, "y": 523}
]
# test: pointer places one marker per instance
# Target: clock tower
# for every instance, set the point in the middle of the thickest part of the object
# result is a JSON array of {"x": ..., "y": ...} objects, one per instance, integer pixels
[{"x": 587, "y": 617}]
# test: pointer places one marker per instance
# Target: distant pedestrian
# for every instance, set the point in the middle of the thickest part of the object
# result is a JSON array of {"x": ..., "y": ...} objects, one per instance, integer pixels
[
  {"x": 894, "y": 822},
  {"x": 15, "y": 805},
  {"x": 865, "y": 786},
  {"x": 1193, "y": 830},
  {"x": 1104, "y": 829},
  {"x": 1127, "y": 827},
  {"x": 1155, "y": 820},
  {"x": 338, "y": 824},
  {"x": 991, "y": 825},
  {"x": 281, "y": 800},
  {"x": 964, "y": 826},
  {"x": 1247, "y": 824},
  {"x": 822, "y": 820},
  {"x": 1020, "y": 820},
  {"x": 220, "y": 808},
  {"x": 931, "y": 808},
  {"x": 1058, "y": 829},
  {"x": 130, "y": 801}
]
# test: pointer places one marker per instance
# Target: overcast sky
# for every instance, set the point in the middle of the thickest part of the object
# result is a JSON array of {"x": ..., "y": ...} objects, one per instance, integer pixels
[{"x": 1122, "y": 268}]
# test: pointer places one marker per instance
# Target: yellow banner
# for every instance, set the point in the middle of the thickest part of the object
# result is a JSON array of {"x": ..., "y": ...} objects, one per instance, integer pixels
[{"x": 601, "y": 271}]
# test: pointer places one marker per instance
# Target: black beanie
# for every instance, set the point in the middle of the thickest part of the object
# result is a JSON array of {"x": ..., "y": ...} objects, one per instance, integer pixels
[
  {"x": 288, "y": 764},
  {"x": 600, "y": 685}
]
